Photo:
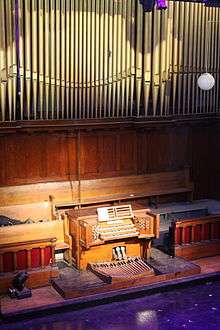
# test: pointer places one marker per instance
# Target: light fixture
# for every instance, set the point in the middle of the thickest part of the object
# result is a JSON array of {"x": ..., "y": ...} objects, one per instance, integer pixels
[
  {"x": 19, "y": 290},
  {"x": 206, "y": 81}
]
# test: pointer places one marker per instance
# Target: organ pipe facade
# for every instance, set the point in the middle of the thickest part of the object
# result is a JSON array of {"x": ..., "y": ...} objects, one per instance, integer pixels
[{"x": 74, "y": 59}]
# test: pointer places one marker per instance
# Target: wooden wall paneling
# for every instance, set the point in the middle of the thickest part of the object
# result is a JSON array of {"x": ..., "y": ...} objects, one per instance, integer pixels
[
  {"x": 35, "y": 156},
  {"x": 71, "y": 156},
  {"x": 142, "y": 151},
  {"x": 201, "y": 152},
  {"x": 2, "y": 161},
  {"x": 159, "y": 150},
  {"x": 108, "y": 154},
  {"x": 15, "y": 159},
  {"x": 128, "y": 152},
  {"x": 89, "y": 155},
  {"x": 178, "y": 153},
  {"x": 214, "y": 161},
  {"x": 52, "y": 156},
  {"x": 56, "y": 157}
]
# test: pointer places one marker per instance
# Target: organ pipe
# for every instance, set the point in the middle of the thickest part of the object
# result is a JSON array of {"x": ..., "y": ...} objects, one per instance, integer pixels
[{"x": 107, "y": 58}]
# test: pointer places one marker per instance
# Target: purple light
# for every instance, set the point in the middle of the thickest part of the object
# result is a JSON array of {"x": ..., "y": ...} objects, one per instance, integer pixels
[
  {"x": 161, "y": 4},
  {"x": 212, "y": 3},
  {"x": 148, "y": 5}
]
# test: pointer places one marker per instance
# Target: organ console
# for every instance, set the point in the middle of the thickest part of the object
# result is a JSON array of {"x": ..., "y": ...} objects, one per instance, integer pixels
[{"x": 112, "y": 233}]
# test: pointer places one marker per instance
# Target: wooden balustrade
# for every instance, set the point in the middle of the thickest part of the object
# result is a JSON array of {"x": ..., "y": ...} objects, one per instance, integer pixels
[
  {"x": 193, "y": 238},
  {"x": 27, "y": 255}
]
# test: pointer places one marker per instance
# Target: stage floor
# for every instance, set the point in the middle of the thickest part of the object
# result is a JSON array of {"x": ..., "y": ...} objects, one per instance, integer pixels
[{"x": 86, "y": 289}]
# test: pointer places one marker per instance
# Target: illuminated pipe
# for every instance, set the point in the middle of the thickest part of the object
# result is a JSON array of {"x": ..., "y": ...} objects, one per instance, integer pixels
[
  {"x": 84, "y": 59},
  {"x": 72, "y": 44},
  {"x": 132, "y": 57},
  {"x": 180, "y": 56},
  {"x": 119, "y": 55},
  {"x": 194, "y": 59},
  {"x": 92, "y": 74},
  {"x": 110, "y": 57},
  {"x": 147, "y": 59},
  {"x": 52, "y": 58},
  {"x": 28, "y": 55},
  {"x": 67, "y": 66},
  {"x": 190, "y": 57},
  {"x": 128, "y": 57},
  {"x": 163, "y": 73},
  {"x": 101, "y": 59},
  {"x": 88, "y": 60},
  {"x": 47, "y": 60},
  {"x": 41, "y": 48},
  {"x": 97, "y": 59},
  {"x": 123, "y": 61},
  {"x": 76, "y": 56},
  {"x": 139, "y": 57},
  {"x": 106, "y": 59},
  {"x": 169, "y": 39},
  {"x": 175, "y": 54}
]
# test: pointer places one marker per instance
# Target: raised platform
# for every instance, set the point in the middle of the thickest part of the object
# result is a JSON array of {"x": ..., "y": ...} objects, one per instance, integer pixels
[
  {"x": 73, "y": 284},
  {"x": 47, "y": 299}
]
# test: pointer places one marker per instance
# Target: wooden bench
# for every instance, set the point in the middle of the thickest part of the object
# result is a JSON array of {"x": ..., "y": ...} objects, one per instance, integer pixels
[
  {"x": 32, "y": 211},
  {"x": 37, "y": 257},
  {"x": 27, "y": 255},
  {"x": 59, "y": 229},
  {"x": 131, "y": 187},
  {"x": 71, "y": 193},
  {"x": 196, "y": 238}
]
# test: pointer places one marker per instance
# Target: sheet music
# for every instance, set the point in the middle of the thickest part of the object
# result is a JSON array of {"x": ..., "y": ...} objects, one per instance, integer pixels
[{"x": 102, "y": 214}]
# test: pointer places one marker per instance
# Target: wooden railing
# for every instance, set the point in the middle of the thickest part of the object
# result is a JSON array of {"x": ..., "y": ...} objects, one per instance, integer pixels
[
  {"x": 194, "y": 238},
  {"x": 27, "y": 255}
]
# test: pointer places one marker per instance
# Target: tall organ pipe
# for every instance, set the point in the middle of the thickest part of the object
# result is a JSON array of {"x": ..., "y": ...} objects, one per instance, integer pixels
[{"x": 106, "y": 58}]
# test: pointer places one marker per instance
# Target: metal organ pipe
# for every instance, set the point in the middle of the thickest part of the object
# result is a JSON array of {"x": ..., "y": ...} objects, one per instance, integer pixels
[{"x": 106, "y": 58}]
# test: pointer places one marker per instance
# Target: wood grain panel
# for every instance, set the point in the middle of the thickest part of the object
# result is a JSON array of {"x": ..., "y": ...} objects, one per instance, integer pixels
[
  {"x": 2, "y": 160},
  {"x": 142, "y": 151},
  {"x": 178, "y": 152},
  {"x": 56, "y": 157},
  {"x": 52, "y": 156},
  {"x": 15, "y": 158},
  {"x": 108, "y": 154},
  {"x": 34, "y": 154},
  {"x": 201, "y": 158},
  {"x": 127, "y": 152},
  {"x": 159, "y": 150},
  {"x": 71, "y": 157},
  {"x": 89, "y": 155}
]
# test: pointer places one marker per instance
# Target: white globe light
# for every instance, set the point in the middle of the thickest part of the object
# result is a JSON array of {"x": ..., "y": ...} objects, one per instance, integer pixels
[{"x": 206, "y": 81}]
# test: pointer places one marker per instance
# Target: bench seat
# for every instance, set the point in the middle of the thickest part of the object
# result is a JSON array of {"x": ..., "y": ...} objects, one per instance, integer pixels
[
  {"x": 124, "y": 197},
  {"x": 99, "y": 190}
]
